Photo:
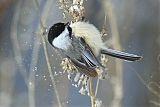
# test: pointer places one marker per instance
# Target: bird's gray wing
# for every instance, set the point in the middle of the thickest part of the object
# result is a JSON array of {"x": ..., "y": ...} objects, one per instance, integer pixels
[
  {"x": 87, "y": 54},
  {"x": 87, "y": 63},
  {"x": 121, "y": 55},
  {"x": 83, "y": 68}
]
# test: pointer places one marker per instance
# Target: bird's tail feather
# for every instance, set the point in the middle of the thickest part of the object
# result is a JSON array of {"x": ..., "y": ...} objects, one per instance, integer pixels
[{"x": 121, "y": 55}]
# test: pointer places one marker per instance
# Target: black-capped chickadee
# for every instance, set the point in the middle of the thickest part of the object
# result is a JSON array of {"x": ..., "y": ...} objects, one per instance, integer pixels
[{"x": 81, "y": 42}]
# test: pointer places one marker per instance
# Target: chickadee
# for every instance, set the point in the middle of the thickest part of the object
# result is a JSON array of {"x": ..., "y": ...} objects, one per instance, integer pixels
[{"x": 81, "y": 42}]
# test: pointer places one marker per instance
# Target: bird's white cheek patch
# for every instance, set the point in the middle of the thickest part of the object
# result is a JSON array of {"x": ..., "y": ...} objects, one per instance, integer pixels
[{"x": 63, "y": 41}]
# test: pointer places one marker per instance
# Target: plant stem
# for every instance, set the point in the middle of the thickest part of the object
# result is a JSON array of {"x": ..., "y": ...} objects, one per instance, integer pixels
[
  {"x": 46, "y": 53},
  {"x": 97, "y": 85},
  {"x": 117, "y": 80},
  {"x": 91, "y": 93}
]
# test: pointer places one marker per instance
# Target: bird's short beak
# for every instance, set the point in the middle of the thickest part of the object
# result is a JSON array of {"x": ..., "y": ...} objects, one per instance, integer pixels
[{"x": 67, "y": 24}]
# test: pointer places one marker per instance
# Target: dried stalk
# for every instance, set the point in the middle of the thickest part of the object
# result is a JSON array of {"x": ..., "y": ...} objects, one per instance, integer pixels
[
  {"x": 45, "y": 51},
  {"x": 15, "y": 42},
  {"x": 50, "y": 72},
  {"x": 97, "y": 86},
  {"x": 157, "y": 104},
  {"x": 92, "y": 94},
  {"x": 18, "y": 59},
  {"x": 117, "y": 81},
  {"x": 151, "y": 89},
  {"x": 31, "y": 86}
]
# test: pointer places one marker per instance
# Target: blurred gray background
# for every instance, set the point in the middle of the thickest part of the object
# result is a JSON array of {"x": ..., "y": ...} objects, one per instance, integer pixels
[{"x": 24, "y": 77}]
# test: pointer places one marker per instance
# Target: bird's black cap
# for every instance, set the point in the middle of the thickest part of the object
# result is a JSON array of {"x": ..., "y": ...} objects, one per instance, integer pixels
[{"x": 55, "y": 31}]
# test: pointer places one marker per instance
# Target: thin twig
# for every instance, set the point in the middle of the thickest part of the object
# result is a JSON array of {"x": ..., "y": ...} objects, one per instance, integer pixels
[
  {"x": 32, "y": 70},
  {"x": 97, "y": 86},
  {"x": 50, "y": 71},
  {"x": 34, "y": 60},
  {"x": 91, "y": 93},
  {"x": 157, "y": 104},
  {"x": 46, "y": 55},
  {"x": 153, "y": 91},
  {"x": 15, "y": 42}
]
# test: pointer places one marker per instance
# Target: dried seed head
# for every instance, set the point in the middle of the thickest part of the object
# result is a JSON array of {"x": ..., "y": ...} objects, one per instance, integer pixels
[
  {"x": 68, "y": 66},
  {"x": 104, "y": 60},
  {"x": 98, "y": 103}
]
